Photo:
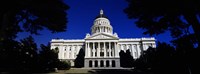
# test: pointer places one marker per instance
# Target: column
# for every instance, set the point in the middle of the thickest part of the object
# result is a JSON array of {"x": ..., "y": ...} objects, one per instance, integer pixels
[
  {"x": 109, "y": 50},
  {"x": 93, "y": 62},
  {"x": 144, "y": 46},
  {"x": 86, "y": 55},
  {"x": 104, "y": 47},
  {"x": 103, "y": 29},
  {"x": 124, "y": 47},
  {"x": 62, "y": 52},
  {"x": 113, "y": 48},
  {"x": 106, "y": 29},
  {"x": 127, "y": 47},
  {"x": 110, "y": 61},
  {"x": 133, "y": 51},
  {"x": 73, "y": 51},
  {"x": 100, "y": 29},
  {"x": 138, "y": 48},
  {"x": 67, "y": 52},
  {"x": 104, "y": 63},
  {"x": 117, "y": 62},
  {"x": 121, "y": 47},
  {"x": 78, "y": 49},
  {"x": 98, "y": 63},
  {"x": 69, "y": 55},
  {"x": 89, "y": 49},
  {"x": 98, "y": 50},
  {"x": 116, "y": 50},
  {"x": 93, "y": 49}
]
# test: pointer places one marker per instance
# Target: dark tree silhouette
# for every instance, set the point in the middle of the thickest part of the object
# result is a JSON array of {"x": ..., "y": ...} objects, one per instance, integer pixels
[
  {"x": 9, "y": 49},
  {"x": 79, "y": 61},
  {"x": 157, "y": 16},
  {"x": 126, "y": 60},
  {"x": 19, "y": 56},
  {"x": 186, "y": 49},
  {"x": 165, "y": 59},
  {"x": 32, "y": 15},
  {"x": 129, "y": 59},
  {"x": 28, "y": 54},
  {"x": 122, "y": 58},
  {"x": 48, "y": 58},
  {"x": 27, "y": 16}
]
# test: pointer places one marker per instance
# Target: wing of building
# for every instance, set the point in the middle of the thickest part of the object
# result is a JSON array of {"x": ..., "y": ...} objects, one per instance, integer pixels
[{"x": 102, "y": 46}]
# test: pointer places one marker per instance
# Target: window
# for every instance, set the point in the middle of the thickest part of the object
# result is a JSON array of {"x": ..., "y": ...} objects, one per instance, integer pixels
[
  {"x": 101, "y": 63},
  {"x": 101, "y": 54},
  {"x": 113, "y": 63},
  {"x": 90, "y": 63},
  {"x": 96, "y": 63},
  {"x": 70, "y": 49}
]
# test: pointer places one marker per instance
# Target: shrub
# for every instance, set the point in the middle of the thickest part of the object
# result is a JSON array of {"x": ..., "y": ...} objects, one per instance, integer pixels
[{"x": 64, "y": 65}]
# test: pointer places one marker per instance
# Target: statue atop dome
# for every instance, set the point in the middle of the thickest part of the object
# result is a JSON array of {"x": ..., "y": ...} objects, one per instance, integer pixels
[{"x": 101, "y": 12}]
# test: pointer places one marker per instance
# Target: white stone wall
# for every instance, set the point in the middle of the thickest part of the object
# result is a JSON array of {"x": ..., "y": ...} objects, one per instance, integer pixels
[{"x": 68, "y": 49}]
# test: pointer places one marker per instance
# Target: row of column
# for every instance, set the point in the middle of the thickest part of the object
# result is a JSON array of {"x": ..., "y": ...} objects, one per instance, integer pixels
[
  {"x": 133, "y": 48},
  {"x": 102, "y": 29},
  {"x": 94, "y": 49},
  {"x": 69, "y": 51},
  {"x": 147, "y": 45}
]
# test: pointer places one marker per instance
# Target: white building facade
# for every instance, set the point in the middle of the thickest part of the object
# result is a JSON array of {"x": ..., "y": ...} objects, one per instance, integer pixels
[{"x": 102, "y": 46}]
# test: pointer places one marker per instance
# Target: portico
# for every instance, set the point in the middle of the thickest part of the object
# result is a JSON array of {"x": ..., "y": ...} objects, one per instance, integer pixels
[
  {"x": 101, "y": 49},
  {"x": 101, "y": 53}
]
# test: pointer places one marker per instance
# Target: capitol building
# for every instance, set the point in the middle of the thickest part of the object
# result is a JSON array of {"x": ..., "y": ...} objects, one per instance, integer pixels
[{"x": 101, "y": 46}]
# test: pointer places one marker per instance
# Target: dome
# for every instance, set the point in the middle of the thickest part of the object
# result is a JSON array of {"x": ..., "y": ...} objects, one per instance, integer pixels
[
  {"x": 101, "y": 24},
  {"x": 101, "y": 19}
]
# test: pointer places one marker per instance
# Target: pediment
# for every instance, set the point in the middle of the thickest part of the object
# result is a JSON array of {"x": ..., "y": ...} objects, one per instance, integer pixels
[{"x": 102, "y": 36}]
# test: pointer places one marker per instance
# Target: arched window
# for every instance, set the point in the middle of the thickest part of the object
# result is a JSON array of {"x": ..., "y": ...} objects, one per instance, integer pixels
[
  {"x": 113, "y": 63},
  {"x": 96, "y": 63},
  {"x": 101, "y": 63},
  {"x": 90, "y": 63}
]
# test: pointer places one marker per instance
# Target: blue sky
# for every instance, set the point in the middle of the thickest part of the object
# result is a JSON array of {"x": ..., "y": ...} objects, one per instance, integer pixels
[{"x": 82, "y": 14}]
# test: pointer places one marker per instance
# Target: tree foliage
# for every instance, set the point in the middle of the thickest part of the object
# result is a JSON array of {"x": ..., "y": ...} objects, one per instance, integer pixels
[
  {"x": 158, "y": 16},
  {"x": 165, "y": 59},
  {"x": 20, "y": 56},
  {"x": 126, "y": 60},
  {"x": 31, "y": 16},
  {"x": 79, "y": 61},
  {"x": 28, "y": 16}
]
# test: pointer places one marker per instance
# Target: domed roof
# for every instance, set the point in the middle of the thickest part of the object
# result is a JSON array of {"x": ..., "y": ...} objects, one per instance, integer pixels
[
  {"x": 101, "y": 24},
  {"x": 101, "y": 20}
]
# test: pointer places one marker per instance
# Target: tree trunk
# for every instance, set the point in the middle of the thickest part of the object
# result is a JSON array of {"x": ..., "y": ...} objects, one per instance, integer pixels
[{"x": 192, "y": 19}]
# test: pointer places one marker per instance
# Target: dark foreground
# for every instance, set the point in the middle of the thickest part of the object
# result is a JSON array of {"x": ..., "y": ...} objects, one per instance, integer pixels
[
  {"x": 96, "y": 71},
  {"x": 91, "y": 71}
]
